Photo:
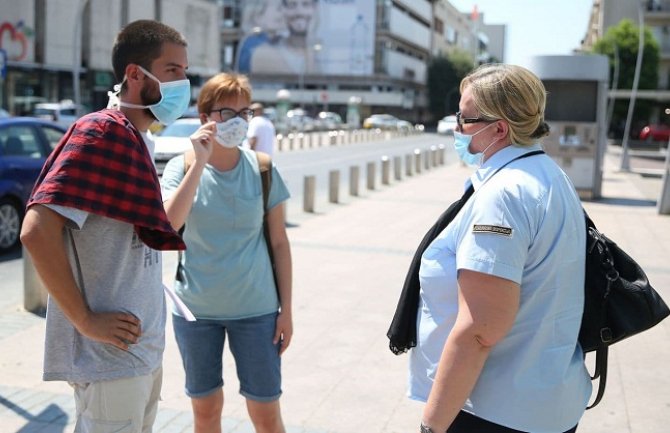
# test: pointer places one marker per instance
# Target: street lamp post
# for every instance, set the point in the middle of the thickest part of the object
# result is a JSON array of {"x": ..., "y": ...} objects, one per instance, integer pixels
[
  {"x": 76, "y": 54},
  {"x": 625, "y": 160},
  {"x": 301, "y": 79}
]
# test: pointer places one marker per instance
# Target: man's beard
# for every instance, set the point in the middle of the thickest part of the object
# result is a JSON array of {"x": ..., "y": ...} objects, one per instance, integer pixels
[{"x": 149, "y": 97}]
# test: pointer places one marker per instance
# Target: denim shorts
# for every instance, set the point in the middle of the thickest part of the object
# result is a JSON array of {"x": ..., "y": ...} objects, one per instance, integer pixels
[{"x": 250, "y": 341}]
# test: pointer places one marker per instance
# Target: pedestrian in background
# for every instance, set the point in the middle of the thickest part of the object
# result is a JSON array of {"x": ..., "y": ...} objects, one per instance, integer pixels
[
  {"x": 502, "y": 286},
  {"x": 261, "y": 134},
  {"x": 94, "y": 227},
  {"x": 225, "y": 276}
]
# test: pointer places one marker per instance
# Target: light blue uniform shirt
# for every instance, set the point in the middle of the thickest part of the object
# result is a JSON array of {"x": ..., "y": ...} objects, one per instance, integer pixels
[
  {"x": 524, "y": 224},
  {"x": 226, "y": 267}
]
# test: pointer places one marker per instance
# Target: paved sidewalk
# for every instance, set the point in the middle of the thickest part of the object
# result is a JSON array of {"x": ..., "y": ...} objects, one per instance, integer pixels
[{"x": 349, "y": 264}]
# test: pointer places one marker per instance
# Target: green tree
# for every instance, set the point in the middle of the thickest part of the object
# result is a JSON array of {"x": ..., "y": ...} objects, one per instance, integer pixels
[
  {"x": 444, "y": 78},
  {"x": 622, "y": 41}
]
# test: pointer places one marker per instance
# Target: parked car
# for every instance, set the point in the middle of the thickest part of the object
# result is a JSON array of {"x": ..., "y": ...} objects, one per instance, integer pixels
[
  {"x": 404, "y": 125},
  {"x": 381, "y": 121},
  {"x": 25, "y": 143},
  {"x": 298, "y": 120},
  {"x": 64, "y": 113},
  {"x": 447, "y": 125},
  {"x": 328, "y": 121},
  {"x": 655, "y": 132},
  {"x": 174, "y": 140}
]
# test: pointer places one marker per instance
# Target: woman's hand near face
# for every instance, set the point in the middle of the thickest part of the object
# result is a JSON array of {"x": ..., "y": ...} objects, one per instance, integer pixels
[{"x": 203, "y": 141}]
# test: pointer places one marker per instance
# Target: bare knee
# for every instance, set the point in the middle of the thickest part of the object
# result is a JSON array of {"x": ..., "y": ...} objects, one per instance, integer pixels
[
  {"x": 266, "y": 417},
  {"x": 207, "y": 412}
]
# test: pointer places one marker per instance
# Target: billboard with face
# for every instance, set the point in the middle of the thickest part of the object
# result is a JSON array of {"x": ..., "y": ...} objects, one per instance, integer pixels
[{"x": 289, "y": 37}]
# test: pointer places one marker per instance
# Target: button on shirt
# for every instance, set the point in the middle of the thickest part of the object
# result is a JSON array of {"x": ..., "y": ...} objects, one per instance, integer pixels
[{"x": 524, "y": 224}]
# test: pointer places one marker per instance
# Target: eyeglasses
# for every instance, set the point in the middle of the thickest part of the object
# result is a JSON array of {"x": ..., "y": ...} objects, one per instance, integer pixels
[
  {"x": 460, "y": 121},
  {"x": 228, "y": 113}
]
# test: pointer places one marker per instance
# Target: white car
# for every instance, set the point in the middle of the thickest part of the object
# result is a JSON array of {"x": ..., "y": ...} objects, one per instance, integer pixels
[
  {"x": 447, "y": 125},
  {"x": 174, "y": 140},
  {"x": 64, "y": 113}
]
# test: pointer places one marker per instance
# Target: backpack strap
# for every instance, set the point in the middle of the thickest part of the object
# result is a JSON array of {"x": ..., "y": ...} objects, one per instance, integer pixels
[
  {"x": 189, "y": 158},
  {"x": 265, "y": 168}
]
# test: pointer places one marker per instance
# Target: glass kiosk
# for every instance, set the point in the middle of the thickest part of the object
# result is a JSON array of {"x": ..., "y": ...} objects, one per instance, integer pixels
[{"x": 577, "y": 88}]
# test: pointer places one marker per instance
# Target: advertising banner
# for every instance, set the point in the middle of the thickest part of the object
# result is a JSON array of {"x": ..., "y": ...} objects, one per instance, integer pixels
[{"x": 326, "y": 37}]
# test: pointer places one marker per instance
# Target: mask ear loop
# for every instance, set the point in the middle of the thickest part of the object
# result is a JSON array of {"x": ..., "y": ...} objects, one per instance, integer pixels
[{"x": 114, "y": 102}]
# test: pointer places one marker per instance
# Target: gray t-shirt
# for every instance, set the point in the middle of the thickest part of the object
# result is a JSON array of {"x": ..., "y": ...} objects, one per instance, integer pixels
[{"x": 116, "y": 272}]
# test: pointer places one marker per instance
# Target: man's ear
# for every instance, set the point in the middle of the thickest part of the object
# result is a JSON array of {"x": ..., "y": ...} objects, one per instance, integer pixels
[{"x": 133, "y": 72}]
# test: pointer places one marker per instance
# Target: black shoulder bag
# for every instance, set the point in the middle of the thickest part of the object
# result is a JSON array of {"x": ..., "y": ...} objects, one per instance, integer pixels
[{"x": 619, "y": 302}]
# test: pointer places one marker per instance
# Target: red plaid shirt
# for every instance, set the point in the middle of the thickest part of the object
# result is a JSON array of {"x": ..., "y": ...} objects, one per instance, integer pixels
[{"x": 102, "y": 166}]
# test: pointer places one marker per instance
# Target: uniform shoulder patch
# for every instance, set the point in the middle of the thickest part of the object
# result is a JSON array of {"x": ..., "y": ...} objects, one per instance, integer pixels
[{"x": 487, "y": 228}]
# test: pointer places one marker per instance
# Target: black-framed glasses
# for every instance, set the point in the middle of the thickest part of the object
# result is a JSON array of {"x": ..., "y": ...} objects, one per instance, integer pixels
[
  {"x": 228, "y": 113},
  {"x": 460, "y": 121}
]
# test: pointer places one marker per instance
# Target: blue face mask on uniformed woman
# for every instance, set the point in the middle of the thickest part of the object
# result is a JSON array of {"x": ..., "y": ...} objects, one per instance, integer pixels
[{"x": 462, "y": 146}]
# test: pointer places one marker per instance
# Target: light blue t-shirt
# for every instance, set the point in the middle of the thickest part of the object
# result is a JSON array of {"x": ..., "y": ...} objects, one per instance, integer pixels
[
  {"x": 226, "y": 271},
  {"x": 524, "y": 224}
]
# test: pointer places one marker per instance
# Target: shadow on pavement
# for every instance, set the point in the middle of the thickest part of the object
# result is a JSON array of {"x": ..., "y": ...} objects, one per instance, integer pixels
[
  {"x": 625, "y": 202},
  {"x": 52, "y": 419},
  {"x": 13, "y": 254}
]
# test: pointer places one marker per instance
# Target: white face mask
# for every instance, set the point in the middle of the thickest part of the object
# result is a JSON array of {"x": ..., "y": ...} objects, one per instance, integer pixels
[{"x": 231, "y": 133}]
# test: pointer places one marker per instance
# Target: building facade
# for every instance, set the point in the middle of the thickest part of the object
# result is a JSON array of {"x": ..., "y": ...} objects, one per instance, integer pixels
[
  {"x": 49, "y": 47},
  {"x": 321, "y": 54}
]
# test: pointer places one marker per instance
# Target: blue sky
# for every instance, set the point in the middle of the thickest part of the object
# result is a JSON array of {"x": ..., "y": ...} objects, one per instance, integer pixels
[{"x": 534, "y": 27}]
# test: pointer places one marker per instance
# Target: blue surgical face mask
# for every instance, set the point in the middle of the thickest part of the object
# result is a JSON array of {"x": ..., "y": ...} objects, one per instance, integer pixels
[
  {"x": 175, "y": 96},
  {"x": 462, "y": 146}
]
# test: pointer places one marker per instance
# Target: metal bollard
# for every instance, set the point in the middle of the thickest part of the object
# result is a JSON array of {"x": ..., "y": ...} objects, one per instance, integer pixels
[
  {"x": 663, "y": 206},
  {"x": 34, "y": 293},
  {"x": 386, "y": 170},
  {"x": 371, "y": 175},
  {"x": 334, "y": 186},
  {"x": 408, "y": 165},
  {"x": 417, "y": 160},
  {"x": 433, "y": 156},
  {"x": 308, "y": 194},
  {"x": 291, "y": 141},
  {"x": 354, "y": 180},
  {"x": 440, "y": 153},
  {"x": 279, "y": 138},
  {"x": 397, "y": 168},
  {"x": 301, "y": 140}
]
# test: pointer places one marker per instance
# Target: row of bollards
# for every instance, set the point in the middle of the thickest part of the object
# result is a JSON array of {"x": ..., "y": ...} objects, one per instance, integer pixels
[
  {"x": 307, "y": 140},
  {"x": 414, "y": 163}
]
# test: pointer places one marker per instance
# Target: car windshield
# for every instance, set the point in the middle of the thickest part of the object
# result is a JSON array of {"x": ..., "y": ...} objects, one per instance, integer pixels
[{"x": 180, "y": 129}]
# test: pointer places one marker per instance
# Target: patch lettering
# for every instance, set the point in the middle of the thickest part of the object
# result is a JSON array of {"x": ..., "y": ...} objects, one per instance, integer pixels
[{"x": 487, "y": 228}]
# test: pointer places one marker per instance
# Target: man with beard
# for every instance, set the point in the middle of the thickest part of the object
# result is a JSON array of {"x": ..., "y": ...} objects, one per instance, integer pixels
[
  {"x": 290, "y": 54},
  {"x": 95, "y": 226}
]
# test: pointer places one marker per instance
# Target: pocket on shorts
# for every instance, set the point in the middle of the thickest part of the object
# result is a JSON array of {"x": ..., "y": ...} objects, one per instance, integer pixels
[{"x": 89, "y": 425}]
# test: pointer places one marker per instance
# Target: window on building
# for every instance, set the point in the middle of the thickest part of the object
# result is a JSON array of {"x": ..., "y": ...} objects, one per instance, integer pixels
[{"x": 438, "y": 25}]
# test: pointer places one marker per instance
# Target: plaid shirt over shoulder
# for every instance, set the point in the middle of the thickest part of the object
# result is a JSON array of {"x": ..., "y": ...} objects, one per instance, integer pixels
[{"x": 102, "y": 166}]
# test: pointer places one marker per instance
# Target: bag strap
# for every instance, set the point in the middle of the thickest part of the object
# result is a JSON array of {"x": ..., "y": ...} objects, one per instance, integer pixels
[
  {"x": 265, "y": 165},
  {"x": 602, "y": 351},
  {"x": 189, "y": 158},
  {"x": 265, "y": 168}
]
